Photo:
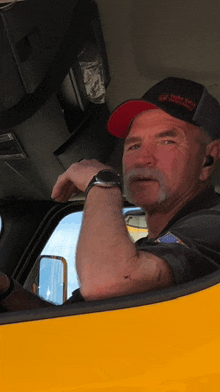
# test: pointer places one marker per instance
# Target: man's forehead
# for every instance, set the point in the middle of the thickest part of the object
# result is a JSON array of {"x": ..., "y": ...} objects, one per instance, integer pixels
[{"x": 172, "y": 132}]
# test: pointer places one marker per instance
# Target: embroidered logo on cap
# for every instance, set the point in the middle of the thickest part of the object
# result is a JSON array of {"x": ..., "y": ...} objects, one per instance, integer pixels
[
  {"x": 190, "y": 105},
  {"x": 169, "y": 238}
]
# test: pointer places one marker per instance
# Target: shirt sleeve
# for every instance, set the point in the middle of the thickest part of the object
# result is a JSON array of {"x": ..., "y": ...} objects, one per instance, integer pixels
[
  {"x": 191, "y": 246},
  {"x": 75, "y": 297}
]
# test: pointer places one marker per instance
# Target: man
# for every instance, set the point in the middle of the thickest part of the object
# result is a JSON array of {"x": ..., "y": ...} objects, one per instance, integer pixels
[{"x": 171, "y": 147}]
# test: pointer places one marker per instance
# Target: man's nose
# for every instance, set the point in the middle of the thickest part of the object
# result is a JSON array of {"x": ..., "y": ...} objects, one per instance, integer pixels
[{"x": 146, "y": 156}]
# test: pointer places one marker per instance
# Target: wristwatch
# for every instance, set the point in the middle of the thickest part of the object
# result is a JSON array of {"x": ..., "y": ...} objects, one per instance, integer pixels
[{"x": 106, "y": 178}]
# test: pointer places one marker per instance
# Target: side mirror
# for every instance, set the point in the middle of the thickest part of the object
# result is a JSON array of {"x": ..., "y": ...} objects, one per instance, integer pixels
[
  {"x": 52, "y": 279},
  {"x": 136, "y": 222}
]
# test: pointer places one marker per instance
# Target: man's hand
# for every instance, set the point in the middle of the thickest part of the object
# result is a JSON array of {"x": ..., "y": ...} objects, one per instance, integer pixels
[
  {"x": 76, "y": 179},
  {"x": 18, "y": 298},
  {"x": 4, "y": 283}
]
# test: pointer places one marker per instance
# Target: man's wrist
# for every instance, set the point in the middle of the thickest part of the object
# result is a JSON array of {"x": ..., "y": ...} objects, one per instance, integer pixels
[
  {"x": 112, "y": 196},
  {"x": 106, "y": 178}
]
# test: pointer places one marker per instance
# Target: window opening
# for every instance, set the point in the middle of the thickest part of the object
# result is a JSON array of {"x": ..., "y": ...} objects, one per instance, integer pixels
[{"x": 63, "y": 244}]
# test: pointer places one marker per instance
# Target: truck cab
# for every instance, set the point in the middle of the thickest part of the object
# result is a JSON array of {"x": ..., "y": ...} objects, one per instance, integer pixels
[{"x": 52, "y": 115}]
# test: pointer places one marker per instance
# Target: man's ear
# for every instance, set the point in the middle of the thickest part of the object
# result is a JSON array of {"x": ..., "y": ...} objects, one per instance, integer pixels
[{"x": 210, "y": 160}]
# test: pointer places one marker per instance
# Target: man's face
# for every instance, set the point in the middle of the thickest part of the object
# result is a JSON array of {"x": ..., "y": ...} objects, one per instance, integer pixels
[{"x": 162, "y": 160}]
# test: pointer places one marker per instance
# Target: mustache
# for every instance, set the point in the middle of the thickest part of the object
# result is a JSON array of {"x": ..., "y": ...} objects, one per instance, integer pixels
[{"x": 144, "y": 174}]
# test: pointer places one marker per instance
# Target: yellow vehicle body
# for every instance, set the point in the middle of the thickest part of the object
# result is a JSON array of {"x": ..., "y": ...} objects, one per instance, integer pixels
[{"x": 166, "y": 346}]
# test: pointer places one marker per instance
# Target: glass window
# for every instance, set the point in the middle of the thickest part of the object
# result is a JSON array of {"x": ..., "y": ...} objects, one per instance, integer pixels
[{"x": 63, "y": 243}]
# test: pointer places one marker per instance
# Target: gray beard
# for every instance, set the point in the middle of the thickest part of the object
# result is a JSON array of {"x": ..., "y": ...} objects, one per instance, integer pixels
[{"x": 146, "y": 173}]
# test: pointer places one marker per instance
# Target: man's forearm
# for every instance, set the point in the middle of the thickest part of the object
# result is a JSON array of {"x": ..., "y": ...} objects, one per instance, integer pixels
[{"x": 104, "y": 247}]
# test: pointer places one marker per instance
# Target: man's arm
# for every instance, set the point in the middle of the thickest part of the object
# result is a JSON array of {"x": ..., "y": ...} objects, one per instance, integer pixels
[
  {"x": 18, "y": 298},
  {"x": 108, "y": 262}
]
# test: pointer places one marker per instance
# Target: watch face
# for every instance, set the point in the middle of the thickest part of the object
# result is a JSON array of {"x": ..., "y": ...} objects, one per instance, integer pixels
[{"x": 107, "y": 176}]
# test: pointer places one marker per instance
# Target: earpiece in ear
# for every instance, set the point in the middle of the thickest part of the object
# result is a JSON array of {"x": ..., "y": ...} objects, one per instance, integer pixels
[{"x": 209, "y": 160}]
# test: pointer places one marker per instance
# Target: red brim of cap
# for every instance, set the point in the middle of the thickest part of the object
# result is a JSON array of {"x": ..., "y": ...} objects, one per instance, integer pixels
[{"x": 120, "y": 120}]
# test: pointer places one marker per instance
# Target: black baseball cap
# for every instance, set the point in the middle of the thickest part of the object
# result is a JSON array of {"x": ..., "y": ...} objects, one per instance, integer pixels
[{"x": 181, "y": 98}]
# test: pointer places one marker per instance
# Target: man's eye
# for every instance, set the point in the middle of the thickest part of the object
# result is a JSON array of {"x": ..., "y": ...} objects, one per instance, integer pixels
[
  {"x": 168, "y": 141},
  {"x": 134, "y": 147}
]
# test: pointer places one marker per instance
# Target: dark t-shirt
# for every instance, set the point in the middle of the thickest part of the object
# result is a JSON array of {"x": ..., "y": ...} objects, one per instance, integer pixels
[{"x": 190, "y": 243}]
